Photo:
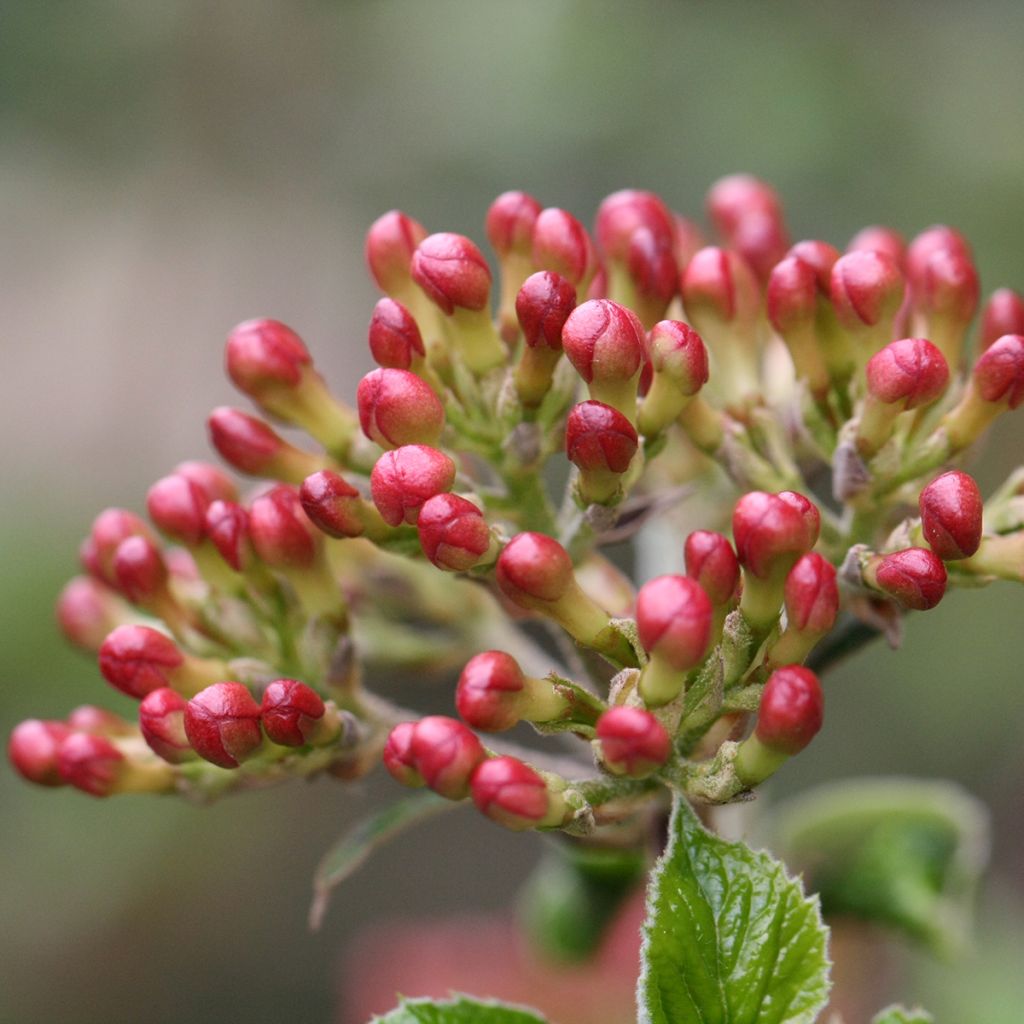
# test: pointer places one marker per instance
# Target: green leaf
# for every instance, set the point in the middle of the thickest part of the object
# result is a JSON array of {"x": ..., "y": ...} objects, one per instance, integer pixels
[
  {"x": 460, "y": 1010},
  {"x": 353, "y": 849},
  {"x": 729, "y": 937},
  {"x": 904, "y": 853},
  {"x": 901, "y": 1015}
]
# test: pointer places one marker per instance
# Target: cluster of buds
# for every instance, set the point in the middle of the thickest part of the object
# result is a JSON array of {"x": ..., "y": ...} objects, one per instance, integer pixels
[{"x": 823, "y": 398}]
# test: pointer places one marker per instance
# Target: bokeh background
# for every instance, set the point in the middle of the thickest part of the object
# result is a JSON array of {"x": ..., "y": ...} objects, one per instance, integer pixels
[{"x": 170, "y": 168}]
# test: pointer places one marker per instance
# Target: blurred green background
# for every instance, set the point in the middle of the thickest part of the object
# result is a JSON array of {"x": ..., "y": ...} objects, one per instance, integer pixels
[{"x": 170, "y": 168}]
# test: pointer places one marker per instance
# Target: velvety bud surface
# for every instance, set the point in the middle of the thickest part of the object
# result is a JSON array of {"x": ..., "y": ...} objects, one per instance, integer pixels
[
  {"x": 211, "y": 480},
  {"x": 719, "y": 282},
  {"x": 390, "y": 243},
  {"x": 673, "y": 616},
  {"x": 561, "y": 244},
  {"x": 879, "y": 238},
  {"x": 398, "y": 756},
  {"x": 227, "y": 527},
  {"x": 89, "y": 763},
  {"x": 769, "y": 528},
  {"x": 264, "y": 354},
  {"x": 86, "y": 612},
  {"x": 866, "y": 288},
  {"x": 792, "y": 294},
  {"x": 622, "y": 214},
  {"x": 509, "y": 222},
  {"x": 1003, "y": 314},
  {"x": 139, "y": 569},
  {"x": 678, "y": 351},
  {"x": 244, "y": 441},
  {"x": 177, "y": 505},
  {"x": 999, "y": 372},
  {"x": 332, "y": 503}
]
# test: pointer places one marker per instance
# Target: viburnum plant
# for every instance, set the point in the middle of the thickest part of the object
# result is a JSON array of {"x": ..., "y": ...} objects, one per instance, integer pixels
[{"x": 811, "y": 405}]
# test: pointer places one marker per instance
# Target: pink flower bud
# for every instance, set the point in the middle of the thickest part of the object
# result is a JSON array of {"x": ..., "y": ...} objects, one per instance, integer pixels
[
  {"x": 924, "y": 247},
  {"x": 403, "y": 479},
  {"x": 398, "y": 756},
  {"x": 280, "y": 530},
  {"x": 534, "y": 567},
  {"x": 736, "y": 197},
  {"x": 87, "y": 611},
  {"x": 32, "y": 750},
  {"x": 792, "y": 710},
  {"x": 633, "y": 742},
  {"x": 880, "y": 239},
  {"x": 604, "y": 341},
  {"x": 332, "y": 504},
  {"x": 951, "y": 515},
  {"x": 676, "y": 350},
  {"x": 811, "y": 595},
  {"x": 292, "y": 713},
  {"x": 264, "y": 356},
  {"x": 99, "y": 721},
  {"x": 599, "y": 438},
  {"x": 487, "y": 696},
  {"x": 395, "y": 339},
  {"x": 561, "y": 244},
  {"x": 211, "y": 480},
  {"x": 651, "y": 262},
  {"x": 251, "y": 446},
  {"x": 452, "y": 272},
  {"x": 719, "y": 286},
  {"x": 773, "y": 530},
  {"x": 137, "y": 660},
  {"x": 867, "y": 288},
  {"x": 178, "y": 507},
  {"x": 109, "y": 529},
  {"x": 510, "y": 221},
  {"x": 396, "y": 407},
  {"x": 162, "y": 721},
  {"x": 1003, "y": 314},
  {"x": 623, "y": 213},
  {"x": 792, "y": 295},
  {"x": 910, "y": 372},
  {"x": 820, "y": 257},
  {"x": 948, "y": 286},
  {"x": 542, "y": 306},
  {"x": 673, "y": 616},
  {"x": 90, "y": 763},
  {"x": 689, "y": 239},
  {"x": 453, "y": 532},
  {"x": 915, "y": 577},
  {"x": 227, "y": 527},
  {"x": 445, "y": 753},
  {"x": 999, "y": 372},
  {"x": 390, "y": 243},
  {"x": 511, "y": 793},
  {"x": 140, "y": 571},
  {"x": 222, "y": 724},
  {"x": 712, "y": 563}
]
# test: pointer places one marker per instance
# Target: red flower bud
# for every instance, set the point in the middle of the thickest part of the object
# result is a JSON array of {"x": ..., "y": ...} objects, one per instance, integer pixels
[
  {"x": 867, "y": 288},
  {"x": 599, "y": 438},
  {"x": 712, "y": 563},
  {"x": 227, "y": 527},
  {"x": 676, "y": 350},
  {"x": 633, "y": 742},
  {"x": 87, "y": 611},
  {"x": 880, "y": 239},
  {"x": 604, "y": 341},
  {"x": 792, "y": 295},
  {"x": 395, "y": 338},
  {"x": 561, "y": 244},
  {"x": 622, "y": 214},
  {"x": 510, "y": 221},
  {"x": 820, "y": 257},
  {"x": 211, "y": 480},
  {"x": 109, "y": 528},
  {"x": 396, "y": 407},
  {"x": 915, "y": 577},
  {"x": 390, "y": 243},
  {"x": 811, "y": 594},
  {"x": 178, "y": 507},
  {"x": 534, "y": 567},
  {"x": 999, "y": 372},
  {"x": 911, "y": 372},
  {"x": 264, "y": 356},
  {"x": 510, "y": 793},
  {"x": 222, "y": 723},
  {"x": 280, "y": 530},
  {"x": 1003, "y": 314},
  {"x": 99, "y": 721},
  {"x": 926, "y": 245},
  {"x": 402, "y": 480},
  {"x": 137, "y": 660},
  {"x": 951, "y": 515},
  {"x": 719, "y": 285},
  {"x": 689, "y": 239},
  {"x": 652, "y": 266},
  {"x": 33, "y": 748},
  {"x": 90, "y": 763},
  {"x": 140, "y": 571},
  {"x": 773, "y": 530},
  {"x": 291, "y": 713},
  {"x": 792, "y": 710},
  {"x": 162, "y": 721},
  {"x": 736, "y": 197},
  {"x": 542, "y": 306},
  {"x": 452, "y": 272},
  {"x": 487, "y": 696},
  {"x": 673, "y": 616},
  {"x": 445, "y": 753},
  {"x": 453, "y": 532},
  {"x": 948, "y": 286},
  {"x": 332, "y": 504},
  {"x": 398, "y": 756},
  {"x": 251, "y": 446}
]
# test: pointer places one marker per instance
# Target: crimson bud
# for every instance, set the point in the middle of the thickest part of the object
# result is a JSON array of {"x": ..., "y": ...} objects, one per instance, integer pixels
[
  {"x": 561, "y": 244},
  {"x": 1003, "y": 314},
  {"x": 712, "y": 563},
  {"x": 398, "y": 756},
  {"x": 90, "y": 763},
  {"x": 162, "y": 721},
  {"x": 511, "y": 793},
  {"x": 951, "y": 515},
  {"x": 632, "y": 741},
  {"x": 489, "y": 691},
  {"x": 137, "y": 660},
  {"x": 32, "y": 749},
  {"x": 293, "y": 714},
  {"x": 222, "y": 724},
  {"x": 453, "y": 533},
  {"x": 914, "y": 577},
  {"x": 403, "y": 479},
  {"x": 87, "y": 611},
  {"x": 390, "y": 244},
  {"x": 395, "y": 339},
  {"x": 396, "y": 407},
  {"x": 445, "y": 753},
  {"x": 792, "y": 710}
]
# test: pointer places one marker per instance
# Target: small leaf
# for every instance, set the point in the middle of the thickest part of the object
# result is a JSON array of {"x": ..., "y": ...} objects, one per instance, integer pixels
[
  {"x": 460, "y": 1010},
  {"x": 729, "y": 937},
  {"x": 901, "y": 1015},
  {"x": 352, "y": 850},
  {"x": 905, "y": 853}
]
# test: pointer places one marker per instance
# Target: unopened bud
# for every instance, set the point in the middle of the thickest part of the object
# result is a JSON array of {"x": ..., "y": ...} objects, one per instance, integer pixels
[
  {"x": 140, "y": 571},
  {"x": 445, "y": 753},
  {"x": 395, "y": 339},
  {"x": 511, "y": 793},
  {"x": 162, "y": 721},
  {"x": 137, "y": 660},
  {"x": 773, "y": 530},
  {"x": 561, "y": 244},
  {"x": 542, "y": 306},
  {"x": 811, "y": 595},
  {"x": 601, "y": 443},
  {"x": 913, "y": 577},
  {"x": 396, "y": 407},
  {"x": 679, "y": 366},
  {"x": 90, "y": 763},
  {"x": 227, "y": 527},
  {"x": 98, "y": 721},
  {"x": 294, "y": 715},
  {"x": 177, "y": 505},
  {"x": 632, "y": 742},
  {"x": 223, "y": 724},
  {"x": 712, "y": 563},
  {"x": 33, "y": 747},
  {"x": 398, "y": 756},
  {"x": 336, "y": 507},
  {"x": 210, "y": 479},
  {"x": 490, "y": 690},
  {"x": 87, "y": 611},
  {"x": 867, "y": 291},
  {"x": 251, "y": 446},
  {"x": 390, "y": 243},
  {"x": 403, "y": 479},
  {"x": 1003, "y": 314},
  {"x": 454, "y": 534},
  {"x": 951, "y": 515},
  {"x": 281, "y": 532},
  {"x": 878, "y": 238},
  {"x": 109, "y": 529}
]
